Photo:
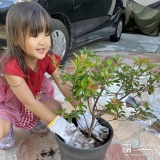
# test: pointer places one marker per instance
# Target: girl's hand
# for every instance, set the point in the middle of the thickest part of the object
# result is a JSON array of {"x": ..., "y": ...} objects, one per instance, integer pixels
[
  {"x": 70, "y": 133},
  {"x": 99, "y": 132}
]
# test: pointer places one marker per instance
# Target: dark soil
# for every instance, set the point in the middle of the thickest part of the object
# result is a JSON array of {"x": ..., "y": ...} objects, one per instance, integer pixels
[
  {"x": 97, "y": 142},
  {"x": 45, "y": 153}
]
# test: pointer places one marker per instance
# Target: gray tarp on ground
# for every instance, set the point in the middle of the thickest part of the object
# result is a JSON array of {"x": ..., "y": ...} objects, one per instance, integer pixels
[{"x": 145, "y": 19}]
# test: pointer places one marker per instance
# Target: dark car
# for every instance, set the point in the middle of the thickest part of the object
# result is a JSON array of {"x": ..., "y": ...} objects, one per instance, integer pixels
[{"x": 76, "y": 22}]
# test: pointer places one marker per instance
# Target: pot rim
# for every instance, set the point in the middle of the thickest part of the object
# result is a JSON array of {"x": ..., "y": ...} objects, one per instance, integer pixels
[{"x": 109, "y": 140}]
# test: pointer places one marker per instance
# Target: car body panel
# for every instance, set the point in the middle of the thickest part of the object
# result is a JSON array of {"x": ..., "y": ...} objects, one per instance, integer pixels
[{"x": 89, "y": 16}]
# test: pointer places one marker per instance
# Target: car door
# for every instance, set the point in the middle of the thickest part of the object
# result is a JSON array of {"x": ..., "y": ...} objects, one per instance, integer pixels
[{"x": 90, "y": 17}]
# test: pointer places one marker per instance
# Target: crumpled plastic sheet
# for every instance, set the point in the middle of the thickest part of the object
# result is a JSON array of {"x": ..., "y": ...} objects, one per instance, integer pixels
[
  {"x": 6, "y": 3},
  {"x": 147, "y": 125},
  {"x": 154, "y": 104}
]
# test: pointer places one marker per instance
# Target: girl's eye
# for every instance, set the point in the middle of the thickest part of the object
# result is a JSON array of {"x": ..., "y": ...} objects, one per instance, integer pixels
[
  {"x": 47, "y": 34},
  {"x": 34, "y": 35}
]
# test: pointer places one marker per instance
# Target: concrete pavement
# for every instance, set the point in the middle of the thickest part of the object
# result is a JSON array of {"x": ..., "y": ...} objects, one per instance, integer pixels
[{"x": 127, "y": 43}]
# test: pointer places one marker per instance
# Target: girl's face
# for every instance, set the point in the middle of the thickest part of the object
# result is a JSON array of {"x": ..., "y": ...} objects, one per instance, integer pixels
[{"x": 37, "y": 46}]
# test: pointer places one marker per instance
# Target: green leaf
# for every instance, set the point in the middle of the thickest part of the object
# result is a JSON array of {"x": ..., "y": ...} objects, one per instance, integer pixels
[
  {"x": 58, "y": 112},
  {"x": 84, "y": 82},
  {"x": 117, "y": 57},
  {"x": 139, "y": 95},
  {"x": 74, "y": 65},
  {"x": 65, "y": 115},
  {"x": 67, "y": 99},
  {"x": 137, "y": 60},
  {"x": 70, "y": 120},
  {"x": 109, "y": 62},
  {"x": 79, "y": 92},
  {"x": 146, "y": 104},
  {"x": 87, "y": 92}
]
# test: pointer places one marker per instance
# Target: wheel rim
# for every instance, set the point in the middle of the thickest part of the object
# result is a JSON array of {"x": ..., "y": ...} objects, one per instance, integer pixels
[
  {"x": 119, "y": 29},
  {"x": 59, "y": 43}
]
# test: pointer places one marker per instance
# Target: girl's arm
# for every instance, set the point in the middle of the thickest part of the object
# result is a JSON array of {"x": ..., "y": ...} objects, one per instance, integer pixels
[
  {"x": 58, "y": 125},
  {"x": 65, "y": 90},
  {"x": 24, "y": 94}
]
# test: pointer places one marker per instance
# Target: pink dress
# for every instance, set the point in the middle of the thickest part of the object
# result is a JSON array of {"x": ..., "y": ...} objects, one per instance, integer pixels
[{"x": 11, "y": 109}]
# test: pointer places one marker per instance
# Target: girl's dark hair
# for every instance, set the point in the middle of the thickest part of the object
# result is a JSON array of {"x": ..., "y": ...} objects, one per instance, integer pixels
[{"x": 23, "y": 18}]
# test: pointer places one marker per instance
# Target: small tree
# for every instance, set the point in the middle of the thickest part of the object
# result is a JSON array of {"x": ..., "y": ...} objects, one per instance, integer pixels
[{"x": 93, "y": 76}]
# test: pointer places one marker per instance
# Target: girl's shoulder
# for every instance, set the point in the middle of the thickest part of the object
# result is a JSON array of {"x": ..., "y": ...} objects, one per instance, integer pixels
[
  {"x": 12, "y": 67},
  {"x": 13, "y": 62}
]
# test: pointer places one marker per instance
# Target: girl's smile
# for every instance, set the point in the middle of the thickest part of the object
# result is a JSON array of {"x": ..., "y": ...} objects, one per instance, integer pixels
[{"x": 41, "y": 51}]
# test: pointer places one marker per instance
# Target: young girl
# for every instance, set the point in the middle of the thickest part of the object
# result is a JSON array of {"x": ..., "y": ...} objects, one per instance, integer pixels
[{"x": 26, "y": 96}]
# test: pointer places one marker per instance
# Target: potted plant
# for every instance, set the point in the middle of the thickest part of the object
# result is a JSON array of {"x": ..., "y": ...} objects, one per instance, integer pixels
[{"x": 93, "y": 77}]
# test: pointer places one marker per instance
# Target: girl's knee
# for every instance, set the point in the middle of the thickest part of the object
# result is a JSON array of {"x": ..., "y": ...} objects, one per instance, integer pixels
[
  {"x": 53, "y": 104},
  {"x": 59, "y": 105},
  {"x": 4, "y": 128}
]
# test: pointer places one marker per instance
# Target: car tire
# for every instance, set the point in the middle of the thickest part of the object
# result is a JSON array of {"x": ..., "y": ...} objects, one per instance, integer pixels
[
  {"x": 60, "y": 40},
  {"x": 119, "y": 28}
]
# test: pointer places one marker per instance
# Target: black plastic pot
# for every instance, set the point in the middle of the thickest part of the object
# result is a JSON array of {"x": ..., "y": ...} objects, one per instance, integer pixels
[{"x": 98, "y": 153}]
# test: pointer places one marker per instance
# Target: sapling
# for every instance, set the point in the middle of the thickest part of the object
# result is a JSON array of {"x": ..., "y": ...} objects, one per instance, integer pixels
[{"x": 93, "y": 77}]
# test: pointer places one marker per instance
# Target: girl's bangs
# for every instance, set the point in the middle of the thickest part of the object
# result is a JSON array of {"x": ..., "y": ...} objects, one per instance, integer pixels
[{"x": 38, "y": 23}]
